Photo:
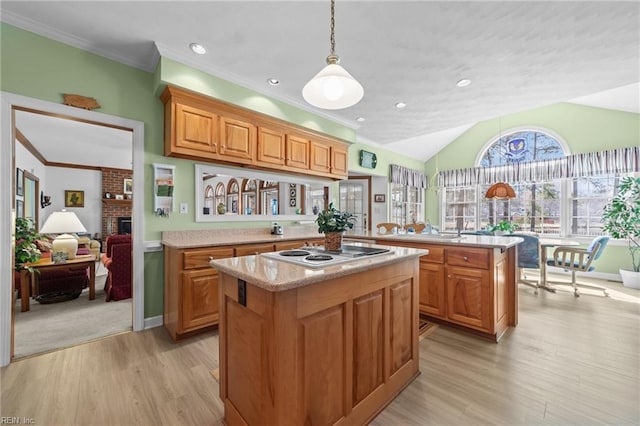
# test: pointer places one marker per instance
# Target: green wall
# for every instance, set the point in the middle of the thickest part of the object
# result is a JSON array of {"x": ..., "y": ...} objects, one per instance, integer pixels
[
  {"x": 42, "y": 68},
  {"x": 583, "y": 129}
]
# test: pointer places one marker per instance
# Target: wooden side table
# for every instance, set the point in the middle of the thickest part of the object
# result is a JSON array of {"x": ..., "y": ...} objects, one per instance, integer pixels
[{"x": 26, "y": 277}]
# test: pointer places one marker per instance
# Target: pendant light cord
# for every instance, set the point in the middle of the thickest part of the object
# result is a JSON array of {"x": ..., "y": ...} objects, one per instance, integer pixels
[{"x": 333, "y": 27}]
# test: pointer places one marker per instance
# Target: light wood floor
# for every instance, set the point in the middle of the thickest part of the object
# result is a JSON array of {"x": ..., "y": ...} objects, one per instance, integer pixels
[{"x": 570, "y": 361}]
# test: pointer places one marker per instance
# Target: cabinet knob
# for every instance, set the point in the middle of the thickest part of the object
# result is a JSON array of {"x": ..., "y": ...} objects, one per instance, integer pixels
[
  {"x": 210, "y": 257},
  {"x": 465, "y": 258},
  {"x": 448, "y": 276}
]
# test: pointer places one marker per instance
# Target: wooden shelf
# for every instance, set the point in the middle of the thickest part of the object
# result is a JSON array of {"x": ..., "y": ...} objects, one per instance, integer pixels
[{"x": 114, "y": 201}]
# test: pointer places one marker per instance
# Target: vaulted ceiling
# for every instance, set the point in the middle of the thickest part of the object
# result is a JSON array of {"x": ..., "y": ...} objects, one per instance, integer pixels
[{"x": 518, "y": 55}]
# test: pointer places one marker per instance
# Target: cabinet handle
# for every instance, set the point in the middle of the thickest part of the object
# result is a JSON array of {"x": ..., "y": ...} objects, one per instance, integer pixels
[
  {"x": 465, "y": 258},
  {"x": 448, "y": 276}
]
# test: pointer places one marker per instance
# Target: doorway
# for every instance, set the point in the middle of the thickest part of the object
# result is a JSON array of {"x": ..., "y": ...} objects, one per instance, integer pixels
[
  {"x": 354, "y": 198},
  {"x": 11, "y": 102}
]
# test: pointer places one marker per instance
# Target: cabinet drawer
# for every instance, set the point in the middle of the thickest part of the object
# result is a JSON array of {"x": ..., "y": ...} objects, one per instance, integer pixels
[
  {"x": 436, "y": 255},
  {"x": 199, "y": 258},
  {"x": 250, "y": 249},
  {"x": 468, "y": 257}
]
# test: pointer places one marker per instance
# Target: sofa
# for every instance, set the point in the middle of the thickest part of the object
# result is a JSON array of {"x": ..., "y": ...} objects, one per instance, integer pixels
[
  {"x": 88, "y": 246},
  {"x": 118, "y": 259}
]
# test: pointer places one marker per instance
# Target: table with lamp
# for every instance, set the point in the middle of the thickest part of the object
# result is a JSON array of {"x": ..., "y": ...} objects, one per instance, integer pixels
[{"x": 63, "y": 223}]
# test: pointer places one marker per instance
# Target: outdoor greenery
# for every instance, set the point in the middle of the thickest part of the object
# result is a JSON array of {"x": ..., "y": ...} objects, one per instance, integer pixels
[
  {"x": 621, "y": 217},
  {"x": 26, "y": 250},
  {"x": 333, "y": 220},
  {"x": 504, "y": 226}
]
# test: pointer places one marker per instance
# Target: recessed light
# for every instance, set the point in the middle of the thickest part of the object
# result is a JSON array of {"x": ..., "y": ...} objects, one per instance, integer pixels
[
  {"x": 463, "y": 83},
  {"x": 273, "y": 81},
  {"x": 197, "y": 48},
  {"x": 361, "y": 119},
  {"x": 400, "y": 105}
]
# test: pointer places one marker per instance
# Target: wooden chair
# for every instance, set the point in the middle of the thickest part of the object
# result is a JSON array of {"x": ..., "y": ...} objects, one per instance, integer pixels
[
  {"x": 417, "y": 227},
  {"x": 387, "y": 227}
]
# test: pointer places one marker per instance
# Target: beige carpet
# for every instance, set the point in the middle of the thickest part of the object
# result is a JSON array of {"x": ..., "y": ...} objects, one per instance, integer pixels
[{"x": 58, "y": 325}]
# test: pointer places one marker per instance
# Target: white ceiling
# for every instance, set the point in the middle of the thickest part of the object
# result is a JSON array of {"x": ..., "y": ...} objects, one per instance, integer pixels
[{"x": 519, "y": 54}]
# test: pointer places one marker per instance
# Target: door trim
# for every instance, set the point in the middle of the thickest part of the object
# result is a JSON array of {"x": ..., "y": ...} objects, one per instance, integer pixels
[{"x": 7, "y": 207}]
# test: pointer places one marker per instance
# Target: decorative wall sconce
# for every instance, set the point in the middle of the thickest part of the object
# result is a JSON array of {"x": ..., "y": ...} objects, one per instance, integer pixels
[{"x": 45, "y": 200}]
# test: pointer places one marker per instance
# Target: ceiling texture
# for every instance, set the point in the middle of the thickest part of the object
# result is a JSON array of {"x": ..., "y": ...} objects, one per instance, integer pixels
[{"x": 518, "y": 55}]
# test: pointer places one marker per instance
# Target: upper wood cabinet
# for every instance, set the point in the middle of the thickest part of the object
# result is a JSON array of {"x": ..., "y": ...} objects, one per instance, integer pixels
[
  {"x": 201, "y": 128},
  {"x": 237, "y": 141},
  {"x": 271, "y": 147}
]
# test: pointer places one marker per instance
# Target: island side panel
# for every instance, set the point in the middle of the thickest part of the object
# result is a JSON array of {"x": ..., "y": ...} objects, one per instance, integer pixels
[{"x": 304, "y": 351}]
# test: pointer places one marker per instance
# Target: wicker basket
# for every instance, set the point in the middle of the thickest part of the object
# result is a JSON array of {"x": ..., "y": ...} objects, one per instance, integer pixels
[{"x": 332, "y": 241}]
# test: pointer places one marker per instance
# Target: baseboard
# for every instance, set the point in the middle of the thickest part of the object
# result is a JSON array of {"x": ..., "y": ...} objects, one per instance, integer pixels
[{"x": 152, "y": 322}]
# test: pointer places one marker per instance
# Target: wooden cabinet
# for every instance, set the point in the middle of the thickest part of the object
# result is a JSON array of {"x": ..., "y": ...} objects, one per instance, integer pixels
[
  {"x": 297, "y": 152},
  {"x": 202, "y": 128},
  {"x": 328, "y": 353},
  {"x": 191, "y": 285},
  {"x": 468, "y": 286},
  {"x": 191, "y": 289},
  {"x": 271, "y": 147},
  {"x": 237, "y": 141}
]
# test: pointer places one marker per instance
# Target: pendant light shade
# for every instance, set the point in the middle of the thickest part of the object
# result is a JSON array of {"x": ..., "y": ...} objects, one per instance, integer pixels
[
  {"x": 333, "y": 87},
  {"x": 500, "y": 190}
]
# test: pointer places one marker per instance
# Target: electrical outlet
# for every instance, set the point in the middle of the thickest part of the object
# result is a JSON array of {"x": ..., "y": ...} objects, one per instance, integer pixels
[{"x": 183, "y": 208}]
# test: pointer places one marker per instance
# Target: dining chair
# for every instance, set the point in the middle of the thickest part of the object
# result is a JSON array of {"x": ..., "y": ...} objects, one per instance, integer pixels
[
  {"x": 387, "y": 227},
  {"x": 579, "y": 260},
  {"x": 528, "y": 258},
  {"x": 417, "y": 227}
]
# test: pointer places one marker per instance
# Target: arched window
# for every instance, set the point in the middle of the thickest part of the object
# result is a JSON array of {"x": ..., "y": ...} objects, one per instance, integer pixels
[
  {"x": 208, "y": 200},
  {"x": 220, "y": 198},
  {"x": 521, "y": 146},
  {"x": 233, "y": 192}
]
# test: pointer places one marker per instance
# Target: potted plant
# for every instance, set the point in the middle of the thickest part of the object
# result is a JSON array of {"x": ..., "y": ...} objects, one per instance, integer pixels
[
  {"x": 501, "y": 228},
  {"x": 332, "y": 223},
  {"x": 621, "y": 219},
  {"x": 26, "y": 250}
]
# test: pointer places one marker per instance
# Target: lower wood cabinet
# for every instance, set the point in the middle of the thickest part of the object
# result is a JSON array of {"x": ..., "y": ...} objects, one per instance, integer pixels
[{"x": 191, "y": 286}]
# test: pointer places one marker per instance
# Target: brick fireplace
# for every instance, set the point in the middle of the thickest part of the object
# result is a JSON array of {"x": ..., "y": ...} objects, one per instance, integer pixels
[{"x": 112, "y": 209}]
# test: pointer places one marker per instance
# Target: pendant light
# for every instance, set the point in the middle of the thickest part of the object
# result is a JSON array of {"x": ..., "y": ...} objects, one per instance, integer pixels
[
  {"x": 500, "y": 190},
  {"x": 333, "y": 87}
]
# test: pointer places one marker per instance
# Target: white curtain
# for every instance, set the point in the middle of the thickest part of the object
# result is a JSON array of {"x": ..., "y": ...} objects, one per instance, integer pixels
[
  {"x": 620, "y": 160},
  {"x": 408, "y": 177}
]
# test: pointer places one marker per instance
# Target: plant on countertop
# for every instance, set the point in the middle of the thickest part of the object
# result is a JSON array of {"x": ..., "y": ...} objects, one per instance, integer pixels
[
  {"x": 621, "y": 217},
  {"x": 505, "y": 227},
  {"x": 333, "y": 220},
  {"x": 26, "y": 250}
]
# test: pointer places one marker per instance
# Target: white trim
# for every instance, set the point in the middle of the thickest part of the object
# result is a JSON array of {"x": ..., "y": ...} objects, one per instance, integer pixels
[
  {"x": 7, "y": 102},
  {"x": 153, "y": 322}
]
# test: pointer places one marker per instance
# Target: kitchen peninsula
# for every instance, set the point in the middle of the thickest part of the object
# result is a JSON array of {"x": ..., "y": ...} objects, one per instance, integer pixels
[{"x": 307, "y": 345}]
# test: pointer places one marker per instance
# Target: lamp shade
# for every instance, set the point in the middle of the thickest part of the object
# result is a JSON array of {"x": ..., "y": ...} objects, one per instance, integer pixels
[
  {"x": 333, "y": 88},
  {"x": 62, "y": 223},
  {"x": 500, "y": 190}
]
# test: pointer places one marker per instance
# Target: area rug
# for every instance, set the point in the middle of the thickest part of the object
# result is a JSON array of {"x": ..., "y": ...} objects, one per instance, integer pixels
[{"x": 58, "y": 325}]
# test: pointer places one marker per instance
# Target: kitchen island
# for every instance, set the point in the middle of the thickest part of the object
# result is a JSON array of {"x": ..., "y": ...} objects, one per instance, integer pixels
[
  {"x": 468, "y": 281},
  {"x": 301, "y": 345}
]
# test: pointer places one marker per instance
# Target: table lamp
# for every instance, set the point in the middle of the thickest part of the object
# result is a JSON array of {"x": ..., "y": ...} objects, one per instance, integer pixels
[{"x": 64, "y": 223}]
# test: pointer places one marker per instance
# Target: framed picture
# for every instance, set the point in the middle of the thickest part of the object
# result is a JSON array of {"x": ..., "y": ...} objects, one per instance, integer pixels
[
  {"x": 128, "y": 186},
  {"x": 19, "y": 208},
  {"x": 378, "y": 198},
  {"x": 73, "y": 198},
  {"x": 19, "y": 182}
]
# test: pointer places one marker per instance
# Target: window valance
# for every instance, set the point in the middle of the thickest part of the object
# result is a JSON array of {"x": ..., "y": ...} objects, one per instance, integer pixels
[
  {"x": 408, "y": 177},
  {"x": 620, "y": 160}
]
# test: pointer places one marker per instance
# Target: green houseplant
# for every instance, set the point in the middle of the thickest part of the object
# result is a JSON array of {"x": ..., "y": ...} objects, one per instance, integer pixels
[
  {"x": 501, "y": 228},
  {"x": 621, "y": 219},
  {"x": 26, "y": 250},
  {"x": 332, "y": 223}
]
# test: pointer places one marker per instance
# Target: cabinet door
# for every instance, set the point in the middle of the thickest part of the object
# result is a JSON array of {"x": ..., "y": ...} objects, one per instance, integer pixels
[
  {"x": 432, "y": 289},
  {"x": 199, "y": 299},
  {"x": 469, "y": 298},
  {"x": 237, "y": 140},
  {"x": 339, "y": 162},
  {"x": 196, "y": 132},
  {"x": 297, "y": 152},
  {"x": 320, "y": 157},
  {"x": 271, "y": 146}
]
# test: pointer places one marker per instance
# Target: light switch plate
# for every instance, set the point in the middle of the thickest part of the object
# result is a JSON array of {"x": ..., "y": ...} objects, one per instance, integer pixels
[{"x": 183, "y": 208}]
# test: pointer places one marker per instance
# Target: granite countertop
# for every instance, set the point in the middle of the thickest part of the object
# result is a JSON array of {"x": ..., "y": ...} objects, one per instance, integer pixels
[
  {"x": 441, "y": 239},
  {"x": 277, "y": 275},
  {"x": 234, "y": 236}
]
